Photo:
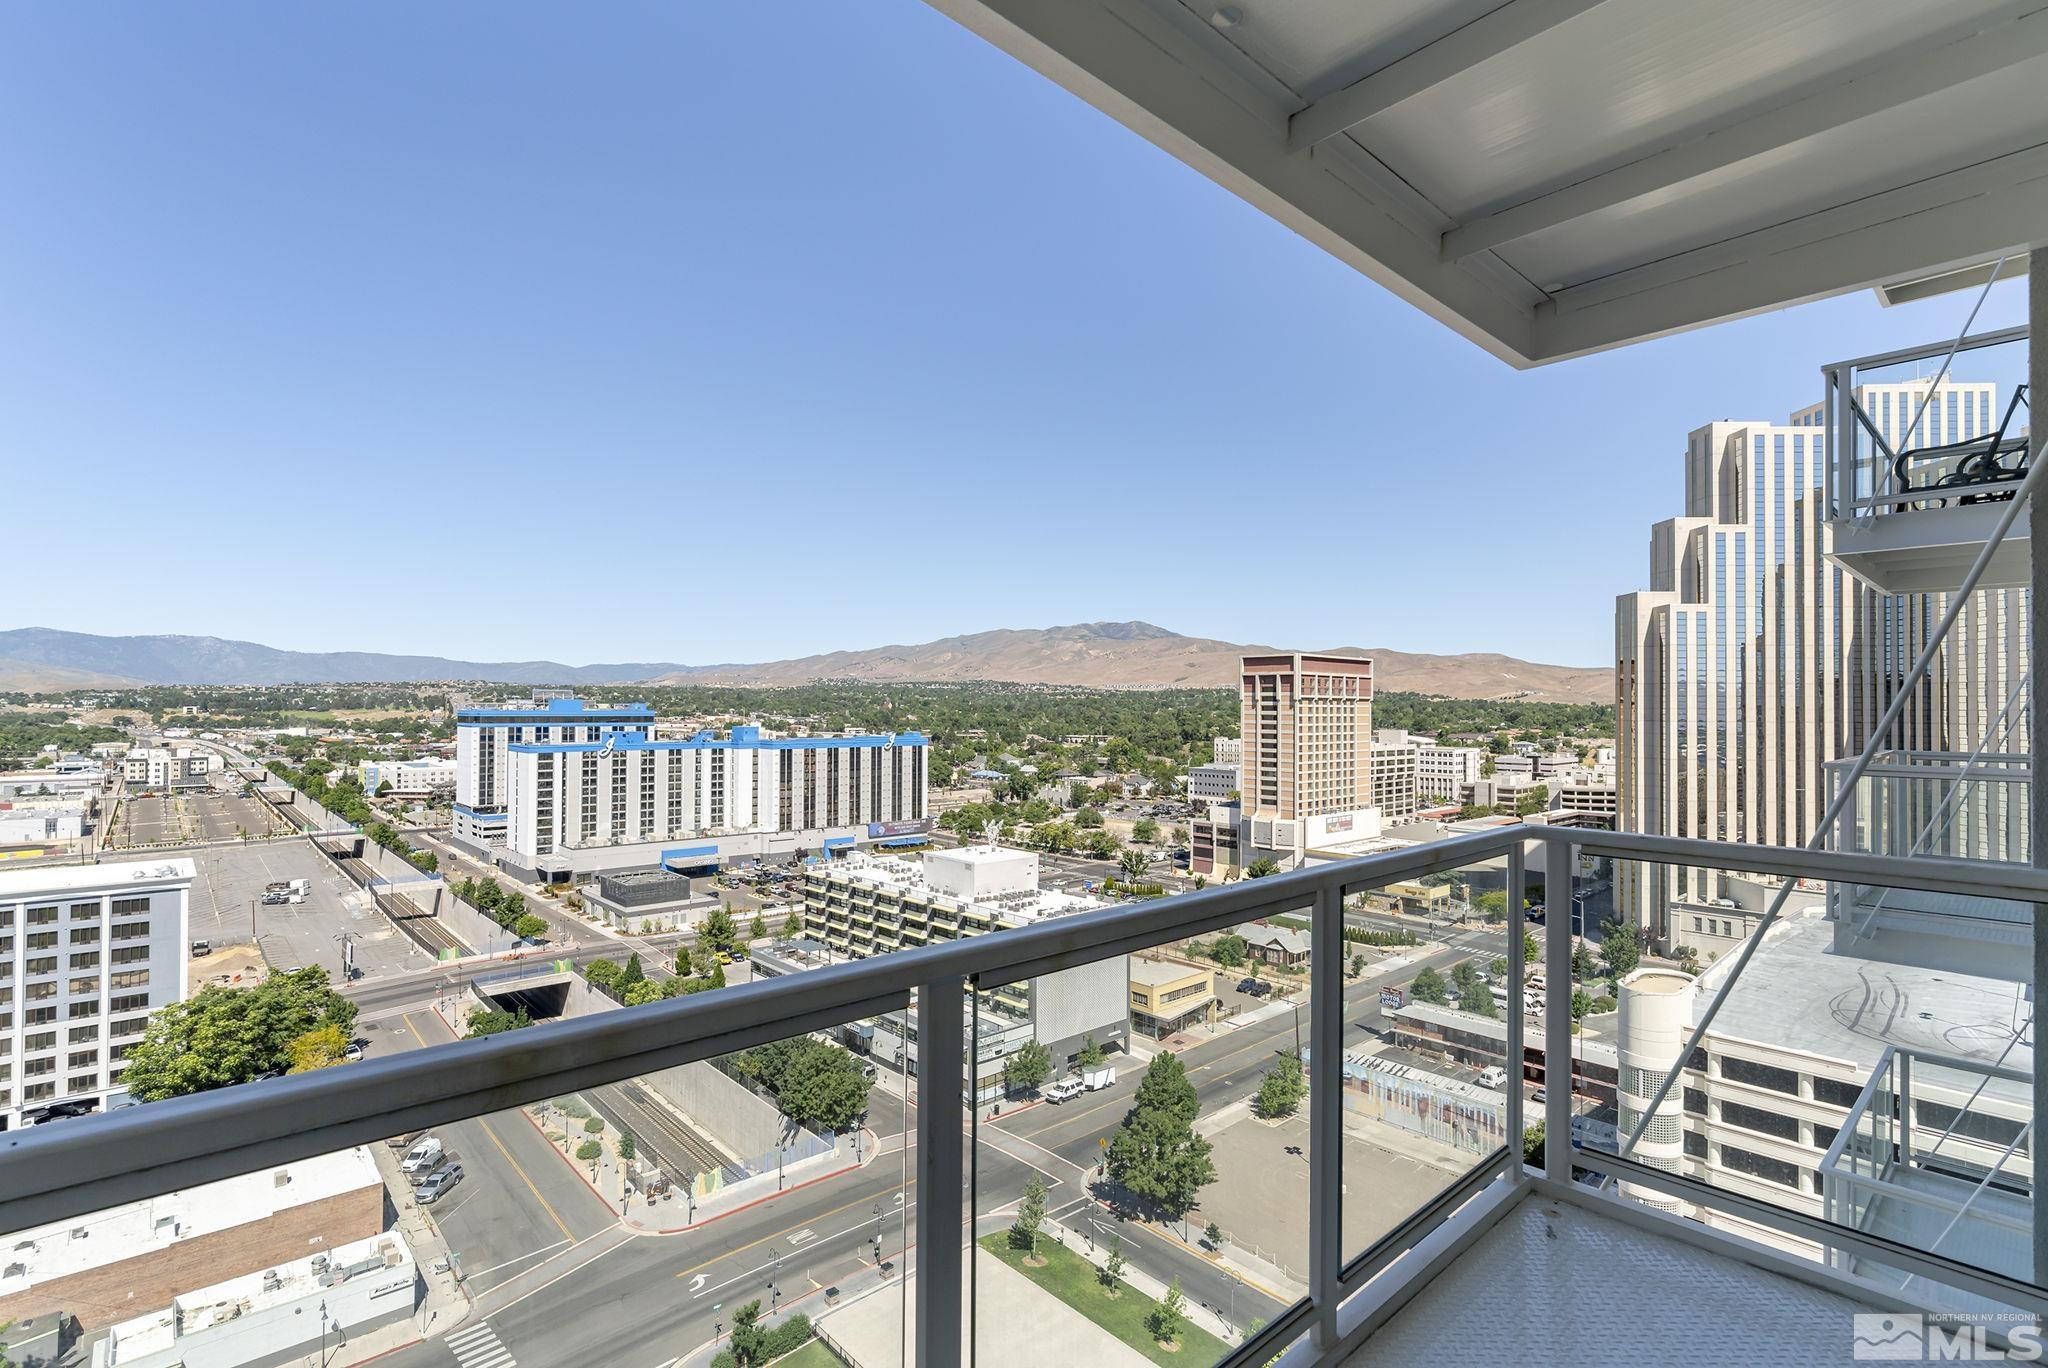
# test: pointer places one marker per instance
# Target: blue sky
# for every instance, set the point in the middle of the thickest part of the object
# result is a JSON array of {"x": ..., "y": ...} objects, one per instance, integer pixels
[{"x": 710, "y": 333}]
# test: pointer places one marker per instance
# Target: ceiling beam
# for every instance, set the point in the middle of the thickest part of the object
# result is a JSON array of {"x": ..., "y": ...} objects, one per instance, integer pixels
[
  {"x": 1989, "y": 44},
  {"x": 1491, "y": 34}
]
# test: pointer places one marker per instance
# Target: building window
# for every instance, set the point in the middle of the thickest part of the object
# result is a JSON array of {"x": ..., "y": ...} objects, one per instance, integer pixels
[
  {"x": 1836, "y": 1091},
  {"x": 42, "y": 916},
  {"x": 131, "y": 907},
  {"x": 1760, "y": 1166},
  {"x": 132, "y": 978},
  {"x": 1695, "y": 1102},
  {"x": 1995, "y": 1130},
  {"x": 1695, "y": 1145},
  {"x": 1759, "y": 1075},
  {"x": 1761, "y": 1121}
]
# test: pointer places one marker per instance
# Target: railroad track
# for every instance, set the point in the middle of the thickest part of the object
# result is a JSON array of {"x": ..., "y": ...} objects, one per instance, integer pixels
[
  {"x": 681, "y": 1151},
  {"x": 426, "y": 930}
]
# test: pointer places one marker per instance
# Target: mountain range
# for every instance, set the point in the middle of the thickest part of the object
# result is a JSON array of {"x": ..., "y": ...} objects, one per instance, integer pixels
[{"x": 1130, "y": 655}]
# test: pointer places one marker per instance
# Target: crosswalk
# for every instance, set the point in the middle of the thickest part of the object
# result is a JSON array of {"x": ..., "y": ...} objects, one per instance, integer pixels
[{"x": 478, "y": 1346}]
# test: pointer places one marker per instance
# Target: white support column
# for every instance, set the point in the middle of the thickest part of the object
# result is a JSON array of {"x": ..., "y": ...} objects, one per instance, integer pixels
[
  {"x": 2037, "y": 634},
  {"x": 1559, "y": 855},
  {"x": 1513, "y": 1055}
]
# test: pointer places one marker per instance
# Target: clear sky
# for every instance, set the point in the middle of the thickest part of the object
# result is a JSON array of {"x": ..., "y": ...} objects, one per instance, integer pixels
[{"x": 734, "y": 332}]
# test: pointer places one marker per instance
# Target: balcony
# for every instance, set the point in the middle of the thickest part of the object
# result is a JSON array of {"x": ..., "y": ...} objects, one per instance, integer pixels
[
  {"x": 1920, "y": 473},
  {"x": 1389, "y": 1208},
  {"x": 1945, "y": 805}
]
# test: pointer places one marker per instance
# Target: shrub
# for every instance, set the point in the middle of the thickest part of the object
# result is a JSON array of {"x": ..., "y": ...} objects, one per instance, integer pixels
[
  {"x": 589, "y": 1150},
  {"x": 570, "y": 1106},
  {"x": 595, "y": 1125}
]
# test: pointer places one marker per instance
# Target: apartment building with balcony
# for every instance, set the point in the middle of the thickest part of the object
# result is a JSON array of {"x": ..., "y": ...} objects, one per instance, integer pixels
[
  {"x": 860, "y": 905},
  {"x": 88, "y": 952}
]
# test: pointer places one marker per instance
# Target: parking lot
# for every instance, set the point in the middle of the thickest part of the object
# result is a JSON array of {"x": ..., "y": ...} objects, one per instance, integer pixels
[
  {"x": 227, "y": 899},
  {"x": 200, "y": 815}
]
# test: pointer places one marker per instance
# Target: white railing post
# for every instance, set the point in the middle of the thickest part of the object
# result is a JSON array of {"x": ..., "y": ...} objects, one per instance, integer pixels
[
  {"x": 1559, "y": 856},
  {"x": 1326, "y": 1110},
  {"x": 1516, "y": 1053},
  {"x": 942, "y": 1064}
]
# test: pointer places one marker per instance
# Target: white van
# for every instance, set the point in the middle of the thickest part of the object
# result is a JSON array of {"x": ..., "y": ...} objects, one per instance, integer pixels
[
  {"x": 421, "y": 1156},
  {"x": 1495, "y": 1077},
  {"x": 1063, "y": 1090}
]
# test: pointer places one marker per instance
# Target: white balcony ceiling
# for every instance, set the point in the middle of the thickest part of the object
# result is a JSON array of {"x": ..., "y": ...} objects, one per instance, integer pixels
[{"x": 1554, "y": 177}]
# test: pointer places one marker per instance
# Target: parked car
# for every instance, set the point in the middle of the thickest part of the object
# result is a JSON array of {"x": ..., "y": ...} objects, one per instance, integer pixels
[
  {"x": 200, "y": 948},
  {"x": 420, "y": 1155},
  {"x": 1493, "y": 1077},
  {"x": 1062, "y": 1091},
  {"x": 437, "y": 1185},
  {"x": 1539, "y": 1095},
  {"x": 439, "y": 1160},
  {"x": 354, "y": 1051}
]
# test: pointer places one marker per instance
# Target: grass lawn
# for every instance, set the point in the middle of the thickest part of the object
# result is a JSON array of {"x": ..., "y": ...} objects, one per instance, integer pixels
[
  {"x": 1075, "y": 1281},
  {"x": 812, "y": 1355}
]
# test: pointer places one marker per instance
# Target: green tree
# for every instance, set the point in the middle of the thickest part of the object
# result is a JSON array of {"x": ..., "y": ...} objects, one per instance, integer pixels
[
  {"x": 1132, "y": 862},
  {"x": 1113, "y": 1266},
  {"x": 793, "y": 924},
  {"x": 759, "y": 929},
  {"x": 1091, "y": 1055},
  {"x": 1533, "y": 801},
  {"x": 1358, "y": 964},
  {"x": 496, "y": 1022},
  {"x": 1532, "y": 1144},
  {"x": 222, "y": 1035},
  {"x": 1532, "y": 953},
  {"x": 1584, "y": 966},
  {"x": 1028, "y": 1067},
  {"x": 529, "y": 927},
  {"x": 1582, "y": 1003},
  {"x": 628, "y": 1147},
  {"x": 1261, "y": 867},
  {"x": 1145, "y": 829},
  {"x": 642, "y": 992},
  {"x": 1620, "y": 947},
  {"x": 749, "y": 1342},
  {"x": 1155, "y": 1154},
  {"x": 1088, "y": 819},
  {"x": 1429, "y": 987},
  {"x": 1166, "y": 1087},
  {"x": 1229, "y": 950},
  {"x": 1280, "y": 1091},
  {"x": 813, "y": 1083},
  {"x": 1100, "y": 844},
  {"x": 1213, "y": 1233},
  {"x": 718, "y": 930},
  {"x": 1170, "y": 1315},
  {"x": 1477, "y": 999},
  {"x": 604, "y": 975},
  {"x": 1492, "y": 904},
  {"x": 634, "y": 973},
  {"x": 1030, "y": 1216},
  {"x": 683, "y": 961}
]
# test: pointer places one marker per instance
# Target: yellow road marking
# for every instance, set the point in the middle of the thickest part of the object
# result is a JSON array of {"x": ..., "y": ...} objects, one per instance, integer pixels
[
  {"x": 777, "y": 1235},
  {"x": 524, "y": 1179}
]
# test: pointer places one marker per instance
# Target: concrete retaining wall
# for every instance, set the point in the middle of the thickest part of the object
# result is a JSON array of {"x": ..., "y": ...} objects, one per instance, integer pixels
[
  {"x": 728, "y": 1112},
  {"x": 432, "y": 895}
]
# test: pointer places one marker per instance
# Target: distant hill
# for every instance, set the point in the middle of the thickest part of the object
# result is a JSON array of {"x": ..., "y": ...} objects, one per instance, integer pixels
[
  {"x": 28, "y": 676},
  {"x": 1139, "y": 655},
  {"x": 1129, "y": 655},
  {"x": 216, "y": 660}
]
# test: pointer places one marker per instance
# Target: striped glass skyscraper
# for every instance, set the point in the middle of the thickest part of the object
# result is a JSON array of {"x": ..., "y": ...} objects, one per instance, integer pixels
[{"x": 1753, "y": 659}]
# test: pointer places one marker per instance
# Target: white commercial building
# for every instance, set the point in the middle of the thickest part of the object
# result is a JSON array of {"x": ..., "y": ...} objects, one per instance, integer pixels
[
  {"x": 1396, "y": 776},
  {"x": 59, "y": 817},
  {"x": 1441, "y": 772},
  {"x": 1227, "y": 750},
  {"x": 1212, "y": 783},
  {"x": 162, "y": 767},
  {"x": 628, "y": 802},
  {"x": 90, "y": 951},
  {"x": 414, "y": 777}
]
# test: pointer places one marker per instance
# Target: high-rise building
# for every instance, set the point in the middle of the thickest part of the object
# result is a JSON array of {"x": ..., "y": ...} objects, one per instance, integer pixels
[
  {"x": 484, "y": 736},
  {"x": 90, "y": 951},
  {"x": 1306, "y": 724},
  {"x": 581, "y": 807},
  {"x": 1396, "y": 775},
  {"x": 1754, "y": 659}
]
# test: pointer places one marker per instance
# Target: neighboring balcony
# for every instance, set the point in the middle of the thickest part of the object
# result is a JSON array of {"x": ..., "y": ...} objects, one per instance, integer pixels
[
  {"x": 1917, "y": 480},
  {"x": 1939, "y": 805}
]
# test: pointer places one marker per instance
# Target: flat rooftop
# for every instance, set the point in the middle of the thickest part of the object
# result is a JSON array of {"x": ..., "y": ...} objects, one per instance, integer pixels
[
  {"x": 1798, "y": 992},
  {"x": 142, "y": 1229},
  {"x": 1150, "y": 973},
  {"x": 907, "y": 875},
  {"x": 60, "y": 879}
]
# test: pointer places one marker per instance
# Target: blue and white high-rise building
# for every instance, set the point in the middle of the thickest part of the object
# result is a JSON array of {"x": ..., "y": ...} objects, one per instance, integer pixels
[{"x": 484, "y": 735}]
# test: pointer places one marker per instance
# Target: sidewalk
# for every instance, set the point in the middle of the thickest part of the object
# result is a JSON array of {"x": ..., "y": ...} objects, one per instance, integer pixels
[
  {"x": 1138, "y": 1279},
  {"x": 445, "y": 1304}
]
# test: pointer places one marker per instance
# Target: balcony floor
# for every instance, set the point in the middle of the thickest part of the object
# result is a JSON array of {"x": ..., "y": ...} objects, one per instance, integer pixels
[{"x": 1553, "y": 1283}]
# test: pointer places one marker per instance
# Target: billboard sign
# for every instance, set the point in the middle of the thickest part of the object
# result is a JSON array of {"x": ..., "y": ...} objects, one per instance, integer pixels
[{"x": 879, "y": 830}]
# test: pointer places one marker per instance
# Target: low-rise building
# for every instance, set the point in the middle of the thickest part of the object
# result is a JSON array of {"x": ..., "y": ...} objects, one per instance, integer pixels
[
  {"x": 1213, "y": 848},
  {"x": 1170, "y": 995},
  {"x": 1278, "y": 945},
  {"x": 417, "y": 777},
  {"x": 648, "y": 900},
  {"x": 861, "y": 904},
  {"x": 162, "y": 767},
  {"x": 1212, "y": 783},
  {"x": 57, "y": 817},
  {"x": 105, "y": 1267}
]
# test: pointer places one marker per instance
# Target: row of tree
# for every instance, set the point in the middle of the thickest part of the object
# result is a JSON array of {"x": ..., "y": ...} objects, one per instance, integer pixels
[
  {"x": 505, "y": 906},
  {"x": 813, "y": 1084},
  {"x": 289, "y": 1023}
]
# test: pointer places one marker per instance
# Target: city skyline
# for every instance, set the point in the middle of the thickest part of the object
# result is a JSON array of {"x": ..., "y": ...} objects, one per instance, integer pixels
[{"x": 1066, "y": 361}]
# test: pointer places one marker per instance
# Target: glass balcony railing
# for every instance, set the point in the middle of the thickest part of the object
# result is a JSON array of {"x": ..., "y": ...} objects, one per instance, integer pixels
[{"x": 1244, "y": 1168}]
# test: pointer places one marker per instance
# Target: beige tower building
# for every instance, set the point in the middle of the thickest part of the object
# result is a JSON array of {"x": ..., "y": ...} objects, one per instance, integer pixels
[
  {"x": 1306, "y": 723},
  {"x": 1754, "y": 659}
]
